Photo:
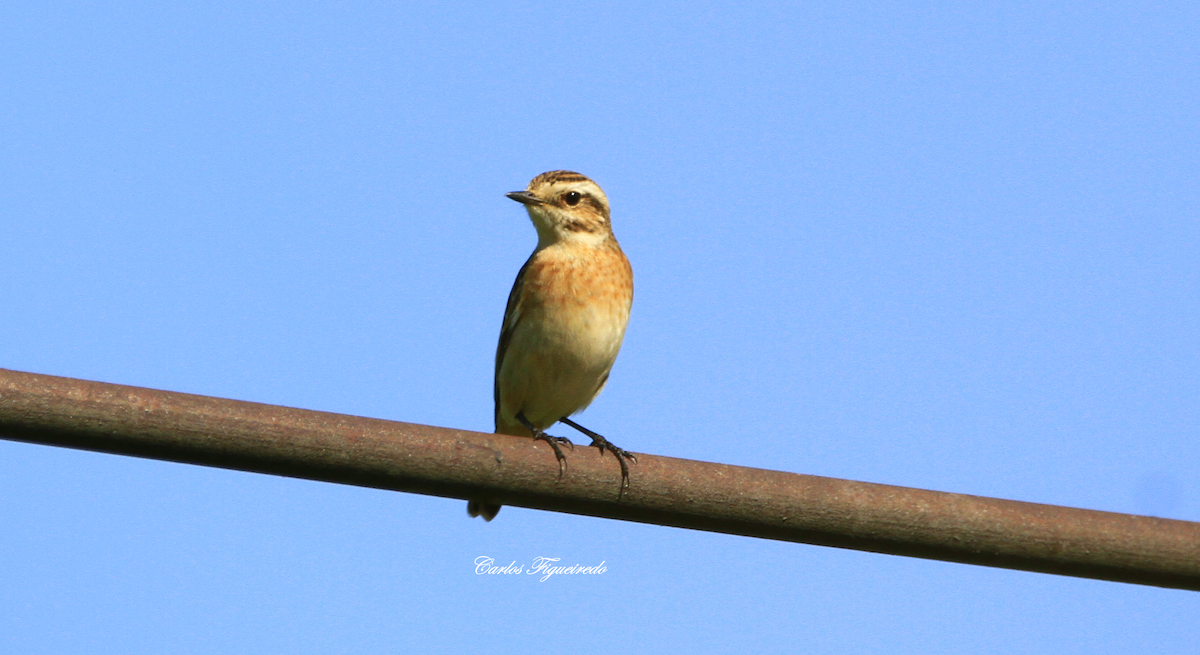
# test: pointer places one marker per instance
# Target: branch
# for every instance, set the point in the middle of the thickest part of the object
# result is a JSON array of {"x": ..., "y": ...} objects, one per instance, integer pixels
[{"x": 516, "y": 471}]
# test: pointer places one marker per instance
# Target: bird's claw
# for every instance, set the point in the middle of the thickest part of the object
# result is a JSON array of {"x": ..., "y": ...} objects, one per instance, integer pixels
[
  {"x": 622, "y": 456},
  {"x": 539, "y": 435},
  {"x": 603, "y": 444}
]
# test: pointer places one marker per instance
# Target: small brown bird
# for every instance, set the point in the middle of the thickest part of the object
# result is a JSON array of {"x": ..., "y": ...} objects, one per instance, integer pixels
[{"x": 565, "y": 319}]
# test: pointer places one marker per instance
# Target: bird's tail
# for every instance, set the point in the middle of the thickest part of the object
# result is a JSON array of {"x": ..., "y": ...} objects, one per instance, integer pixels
[
  {"x": 489, "y": 510},
  {"x": 479, "y": 508}
]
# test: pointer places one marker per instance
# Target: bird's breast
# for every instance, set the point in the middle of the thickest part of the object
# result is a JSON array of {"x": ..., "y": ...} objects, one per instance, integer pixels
[
  {"x": 578, "y": 303},
  {"x": 568, "y": 323}
]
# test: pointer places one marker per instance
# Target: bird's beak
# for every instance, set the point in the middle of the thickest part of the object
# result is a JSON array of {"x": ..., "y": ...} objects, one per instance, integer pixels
[{"x": 525, "y": 198}]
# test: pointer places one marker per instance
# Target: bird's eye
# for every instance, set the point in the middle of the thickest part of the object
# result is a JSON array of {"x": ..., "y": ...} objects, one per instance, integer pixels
[{"x": 573, "y": 198}]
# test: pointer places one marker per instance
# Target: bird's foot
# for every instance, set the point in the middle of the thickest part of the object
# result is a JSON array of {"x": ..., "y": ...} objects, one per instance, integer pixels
[
  {"x": 539, "y": 435},
  {"x": 623, "y": 456}
]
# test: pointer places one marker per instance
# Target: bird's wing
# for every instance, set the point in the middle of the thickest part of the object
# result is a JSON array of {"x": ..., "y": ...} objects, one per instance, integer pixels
[{"x": 512, "y": 317}]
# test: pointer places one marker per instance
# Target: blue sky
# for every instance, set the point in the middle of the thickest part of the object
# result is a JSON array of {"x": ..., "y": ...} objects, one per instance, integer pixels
[{"x": 927, "y": 244}]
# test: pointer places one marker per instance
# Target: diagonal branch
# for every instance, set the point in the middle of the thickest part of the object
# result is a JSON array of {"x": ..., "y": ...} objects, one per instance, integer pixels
[{"x": 665, "y": 491}]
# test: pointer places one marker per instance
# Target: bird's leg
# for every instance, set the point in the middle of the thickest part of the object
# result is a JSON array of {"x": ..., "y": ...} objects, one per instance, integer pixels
[
  {"x": 540, "y": 435},
  {"x": 604, "y": 444}
]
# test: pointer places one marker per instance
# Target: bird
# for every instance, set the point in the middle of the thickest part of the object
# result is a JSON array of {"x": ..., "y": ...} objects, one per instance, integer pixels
[{"x": 565, "y": 319}]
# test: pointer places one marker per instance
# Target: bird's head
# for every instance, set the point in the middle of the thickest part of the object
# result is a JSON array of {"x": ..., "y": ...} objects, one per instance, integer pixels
[{"x": 566, "y": 206}]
